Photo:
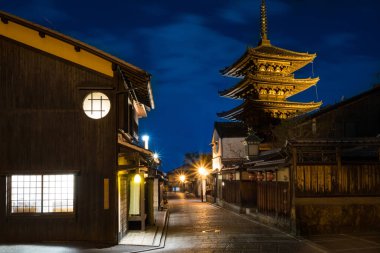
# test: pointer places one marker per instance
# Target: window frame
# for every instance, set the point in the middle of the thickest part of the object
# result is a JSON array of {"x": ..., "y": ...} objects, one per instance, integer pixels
[{"x": 8, "y": 194}]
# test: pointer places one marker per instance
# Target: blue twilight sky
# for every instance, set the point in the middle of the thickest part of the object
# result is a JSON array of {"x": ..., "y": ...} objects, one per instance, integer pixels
[{"x": 184, "y": 44}]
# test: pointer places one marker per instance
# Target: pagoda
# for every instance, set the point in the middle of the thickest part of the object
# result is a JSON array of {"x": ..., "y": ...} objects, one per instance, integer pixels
[{"x": 267, "y": 81}]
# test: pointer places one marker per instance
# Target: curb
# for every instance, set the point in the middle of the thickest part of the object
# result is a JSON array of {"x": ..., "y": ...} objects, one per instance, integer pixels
[{"x": 163, "y": 236}]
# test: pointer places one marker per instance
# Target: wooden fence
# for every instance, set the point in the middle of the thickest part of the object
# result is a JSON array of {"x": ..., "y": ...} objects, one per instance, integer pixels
[
  {"x": 334, "y": 180},
  {"x": 243, "y": 193},
  {"x": 273, "y": 198}
]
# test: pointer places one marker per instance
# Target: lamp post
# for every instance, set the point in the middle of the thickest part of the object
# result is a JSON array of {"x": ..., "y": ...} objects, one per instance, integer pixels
[
  {"x": 182, "y": 179},
  {"x": 203, "y": 173},
  {"x": 145, "y": 139}
]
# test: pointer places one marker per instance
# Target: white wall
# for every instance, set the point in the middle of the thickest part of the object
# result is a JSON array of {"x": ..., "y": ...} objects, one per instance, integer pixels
[
  {"x": 233, "y": 148},
  {"x": 216, "y": 152},
  {"x": 226, "y": 148}
]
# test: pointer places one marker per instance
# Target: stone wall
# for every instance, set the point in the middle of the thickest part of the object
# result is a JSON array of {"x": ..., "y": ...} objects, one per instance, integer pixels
[{"x": 337, "y": 215}]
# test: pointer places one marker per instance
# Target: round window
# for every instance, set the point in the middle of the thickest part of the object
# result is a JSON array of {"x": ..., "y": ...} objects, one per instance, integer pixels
[{"x": 96, "y": 105}]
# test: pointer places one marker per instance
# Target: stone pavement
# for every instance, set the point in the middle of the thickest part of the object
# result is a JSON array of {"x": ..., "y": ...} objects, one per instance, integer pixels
[{"x": 201, "y": 227}]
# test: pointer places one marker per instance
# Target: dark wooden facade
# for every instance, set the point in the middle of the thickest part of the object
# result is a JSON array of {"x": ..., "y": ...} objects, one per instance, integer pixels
[
  {"x": 239, "y": 192},
  {"x": 335, "y": 185},
  {"x": 44, "y": 130},
  {"x": 329, "y": 167},
  {"x": 355, "y": 117}
]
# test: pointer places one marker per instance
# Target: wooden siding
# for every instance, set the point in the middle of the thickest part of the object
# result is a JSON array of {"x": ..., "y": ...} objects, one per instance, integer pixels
[
  {"x": 231, "y": 191},
  {"x": 43, "y": 128},
  {"x": 357, "y": 118},
  {"x": 273, "y": 198},
  {"x": 332, "y": 180},
  {"x": 239, "y": 192}
]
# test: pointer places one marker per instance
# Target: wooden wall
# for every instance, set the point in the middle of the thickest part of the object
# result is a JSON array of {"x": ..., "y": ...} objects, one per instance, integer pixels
[
  {"x": 231, "y": 191},
  {"x": 273, "y": 198},
  {"x": 360, "y": 118},
  {"x": 42, "y": 129},
  {"x": 336, "y": 188},
  {"x": 243, "y": 193},
  {"x": 332, "y": 180}
]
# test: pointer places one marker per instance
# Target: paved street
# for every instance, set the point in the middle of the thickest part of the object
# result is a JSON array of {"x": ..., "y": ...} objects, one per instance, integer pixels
[{"x": 201, "y": 227}]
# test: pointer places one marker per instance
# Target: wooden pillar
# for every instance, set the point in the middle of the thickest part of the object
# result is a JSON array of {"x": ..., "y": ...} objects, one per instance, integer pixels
[
  {"x": 142, "y": 201},
  {"x": 293, "y": 217},
  {"x": 341, "y": 184},
  {"x": 276, "y": 195}
]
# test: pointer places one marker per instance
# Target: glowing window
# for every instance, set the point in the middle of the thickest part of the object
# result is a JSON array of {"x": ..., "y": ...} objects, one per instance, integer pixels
[
  {"x": 96, "y": 105},
  {"x": 26, "y": 194},
  {"x": 42, "y": 193}
]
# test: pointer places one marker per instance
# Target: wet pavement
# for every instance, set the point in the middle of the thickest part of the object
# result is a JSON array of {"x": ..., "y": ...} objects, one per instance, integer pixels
[{"x": 201, "y": 227}]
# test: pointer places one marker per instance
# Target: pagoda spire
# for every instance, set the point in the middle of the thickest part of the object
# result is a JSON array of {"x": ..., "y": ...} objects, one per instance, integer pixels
[{"x": 264, "y": 24}]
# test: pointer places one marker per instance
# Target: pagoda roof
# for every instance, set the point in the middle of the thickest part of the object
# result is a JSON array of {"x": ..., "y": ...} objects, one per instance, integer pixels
[
  {"x": 265, "y": 105},
  {"x": 266, "y": 51},
  {"x": 248, "y": 83}
]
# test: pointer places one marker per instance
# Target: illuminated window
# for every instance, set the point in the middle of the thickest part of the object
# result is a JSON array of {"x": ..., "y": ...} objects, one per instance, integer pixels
[
  {"x": 42, "y": 193},
  {"x": 96, "y": 105},
  {"x": 26, "y": 194}
]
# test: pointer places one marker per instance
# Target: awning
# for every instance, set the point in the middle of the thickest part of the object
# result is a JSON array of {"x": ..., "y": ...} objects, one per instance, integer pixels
[
  {"x": 268, "y": 165},
  {"x": 134, "y": 147}
]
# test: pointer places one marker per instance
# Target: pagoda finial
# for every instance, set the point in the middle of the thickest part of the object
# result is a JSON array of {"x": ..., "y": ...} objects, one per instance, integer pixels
[{"x": 264, "y": 24}]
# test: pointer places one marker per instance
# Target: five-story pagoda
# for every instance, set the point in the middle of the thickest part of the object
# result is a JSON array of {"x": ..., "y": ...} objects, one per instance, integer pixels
[{"x": 267, "y": 80}]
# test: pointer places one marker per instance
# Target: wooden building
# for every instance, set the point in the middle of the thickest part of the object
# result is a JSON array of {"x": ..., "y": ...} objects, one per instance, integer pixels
[
  {"x": 232, "y": 184},
  {"x": 313, "y": 173},
  {"x": 70, "y": 164},
  {"x": 326, "y": 177},
  {"x": 358, "y": 116}
]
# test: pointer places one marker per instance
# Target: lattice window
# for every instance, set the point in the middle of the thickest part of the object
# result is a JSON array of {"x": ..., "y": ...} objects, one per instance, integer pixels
[
  {"x": 41, "y": 193},
  {"x": 96, "y": 105},
  {"x": 58, "y": 193},
  {"x": 26, "y": 194}
]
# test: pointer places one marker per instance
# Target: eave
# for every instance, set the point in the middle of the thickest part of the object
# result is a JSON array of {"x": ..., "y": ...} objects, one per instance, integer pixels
[
  {"x": 256, "y": 81},
  {"x": 250, "y": 106},
  {"x": 295, "y": 60}
]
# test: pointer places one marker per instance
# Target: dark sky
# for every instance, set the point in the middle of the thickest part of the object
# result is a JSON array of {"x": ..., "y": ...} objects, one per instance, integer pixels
[{"x": 184, "y": 44}]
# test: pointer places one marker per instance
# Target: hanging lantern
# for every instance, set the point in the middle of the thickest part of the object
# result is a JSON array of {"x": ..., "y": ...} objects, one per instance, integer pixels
[
  {"x": 270, "y": 176},
  {"x": 252, "y": 176},
  {"x": 252, "y": 143},
  {"x": 260, "y": 176}
]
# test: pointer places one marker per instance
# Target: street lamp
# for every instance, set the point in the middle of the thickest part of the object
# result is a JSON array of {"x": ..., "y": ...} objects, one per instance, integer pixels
[
  {"x": 145, "y": 139},
  {"x": 203, "y": 173},
  {"x": 252, "y": 144},
  {"x": 182, "y": 178}
]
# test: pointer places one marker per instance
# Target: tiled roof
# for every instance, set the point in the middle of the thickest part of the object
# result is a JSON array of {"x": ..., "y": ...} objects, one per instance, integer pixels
[
  {"x": 280, "y": 52},
  {"x": 231, "y": 129}
]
